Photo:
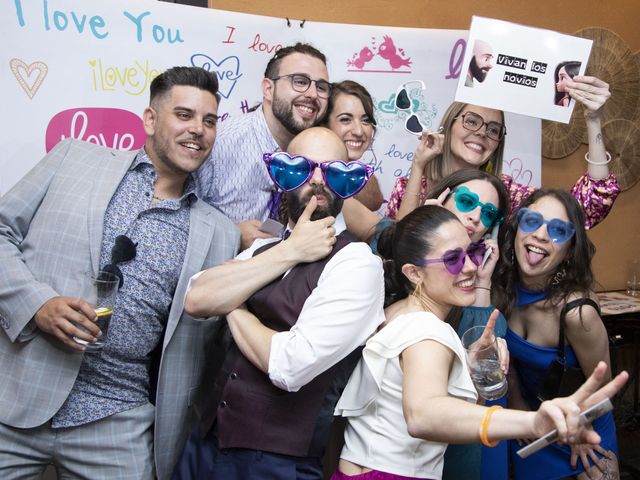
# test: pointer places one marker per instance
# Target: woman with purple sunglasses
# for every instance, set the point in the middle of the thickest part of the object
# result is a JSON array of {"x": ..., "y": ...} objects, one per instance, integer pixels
[{"x": 411, "y": 393}]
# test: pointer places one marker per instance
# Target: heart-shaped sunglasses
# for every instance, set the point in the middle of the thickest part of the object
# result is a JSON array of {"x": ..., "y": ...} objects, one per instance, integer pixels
[
  {"x": 559, "y": 231},
  {"x": 466, "y": 201},
  {"x": 454, "y": 259},
  {"x": 289, "y": 172}
]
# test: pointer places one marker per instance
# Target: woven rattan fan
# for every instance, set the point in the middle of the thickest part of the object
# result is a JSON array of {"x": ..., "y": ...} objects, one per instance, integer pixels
[
  {"x": 622, "y": 140},
  {"x": 562, "y": 139},
  {"x": 636, "y": 56},
  {"x": 611, "y": 60}
]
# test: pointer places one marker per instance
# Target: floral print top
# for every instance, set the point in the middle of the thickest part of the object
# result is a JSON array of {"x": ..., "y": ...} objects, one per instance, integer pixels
[{"x": 595, "y": 196}]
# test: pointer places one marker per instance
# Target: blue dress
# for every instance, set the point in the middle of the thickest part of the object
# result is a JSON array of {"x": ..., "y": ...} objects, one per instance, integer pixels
[{"x": 552, "y": 462}]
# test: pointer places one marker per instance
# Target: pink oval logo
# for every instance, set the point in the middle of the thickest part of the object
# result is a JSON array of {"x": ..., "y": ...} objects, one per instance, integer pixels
[{"x": 109, "y": 127}]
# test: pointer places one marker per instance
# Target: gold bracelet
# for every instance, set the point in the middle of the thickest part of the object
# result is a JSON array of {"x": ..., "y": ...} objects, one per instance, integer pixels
[{"x": 484, "y": 426}]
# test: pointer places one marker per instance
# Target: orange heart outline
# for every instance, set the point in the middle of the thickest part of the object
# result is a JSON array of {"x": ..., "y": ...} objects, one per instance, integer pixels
[{"x": 16, "y": 64}]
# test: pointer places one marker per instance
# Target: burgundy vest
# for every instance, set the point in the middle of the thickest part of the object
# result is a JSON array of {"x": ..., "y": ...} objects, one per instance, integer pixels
[{"x": 253, "y": 413}]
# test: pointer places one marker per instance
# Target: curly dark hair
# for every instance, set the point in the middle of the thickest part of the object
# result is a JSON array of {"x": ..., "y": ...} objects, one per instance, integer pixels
[{"x": 578, "y": 276}]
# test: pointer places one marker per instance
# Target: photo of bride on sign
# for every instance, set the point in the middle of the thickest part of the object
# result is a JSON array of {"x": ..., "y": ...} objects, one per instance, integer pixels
[{"x": 521, "y": 69}]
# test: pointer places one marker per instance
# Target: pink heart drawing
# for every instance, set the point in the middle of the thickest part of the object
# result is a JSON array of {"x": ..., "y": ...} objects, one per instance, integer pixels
[
  {"x": 23, "y": 73},
  {"x": 518, "y": 172}
]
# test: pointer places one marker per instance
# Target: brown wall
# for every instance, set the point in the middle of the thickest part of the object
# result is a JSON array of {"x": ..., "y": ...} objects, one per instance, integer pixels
[{"x": 618, "y": 237}]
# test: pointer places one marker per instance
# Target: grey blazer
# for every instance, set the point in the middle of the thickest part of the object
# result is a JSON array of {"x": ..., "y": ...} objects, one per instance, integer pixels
[{"x": 50, "y": 236}]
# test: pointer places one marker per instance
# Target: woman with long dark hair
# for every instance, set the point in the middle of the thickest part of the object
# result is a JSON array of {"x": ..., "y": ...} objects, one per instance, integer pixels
[{"x": 543, "y": 285}]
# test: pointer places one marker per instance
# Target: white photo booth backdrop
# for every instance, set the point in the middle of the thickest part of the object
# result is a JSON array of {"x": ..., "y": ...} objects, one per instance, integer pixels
[{"x": 82, "y": 69}]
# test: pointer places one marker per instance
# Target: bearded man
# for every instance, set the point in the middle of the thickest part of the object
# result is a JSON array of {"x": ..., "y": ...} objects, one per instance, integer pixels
[{"x": 295, "y": 91}]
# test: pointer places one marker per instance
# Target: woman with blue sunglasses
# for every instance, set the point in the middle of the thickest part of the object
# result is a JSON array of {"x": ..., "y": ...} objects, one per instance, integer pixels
[
  {"x": 543, "y": 284},
  {"x": 411, "y": 393}
]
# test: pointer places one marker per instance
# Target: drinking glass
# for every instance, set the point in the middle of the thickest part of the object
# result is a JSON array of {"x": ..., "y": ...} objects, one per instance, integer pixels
[
  {"x": 484, "y": 364},
  {"x": 101, "y": 291}
]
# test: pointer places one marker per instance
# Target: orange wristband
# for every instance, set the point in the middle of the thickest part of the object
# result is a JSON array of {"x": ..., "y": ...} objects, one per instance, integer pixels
[{"x": 484, "y": 425}]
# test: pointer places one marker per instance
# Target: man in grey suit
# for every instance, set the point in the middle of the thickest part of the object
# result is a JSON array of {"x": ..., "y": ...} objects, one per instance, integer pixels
[{"x": 92, "y": 414}]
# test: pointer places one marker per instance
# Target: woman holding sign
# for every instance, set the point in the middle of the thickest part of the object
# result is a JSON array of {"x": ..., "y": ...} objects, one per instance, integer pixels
[
  {"x": 473, "y": 137},
  {"x": 411, "y": 394}
]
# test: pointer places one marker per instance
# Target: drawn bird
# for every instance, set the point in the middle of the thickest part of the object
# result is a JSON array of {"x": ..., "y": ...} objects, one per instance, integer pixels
[
  {"x": 387, "y": 50},
  {"x": 364, "y": 56}
]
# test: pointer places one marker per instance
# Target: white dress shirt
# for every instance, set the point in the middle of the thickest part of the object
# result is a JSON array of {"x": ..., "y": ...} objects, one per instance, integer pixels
[{"x": 343, "y": 310}]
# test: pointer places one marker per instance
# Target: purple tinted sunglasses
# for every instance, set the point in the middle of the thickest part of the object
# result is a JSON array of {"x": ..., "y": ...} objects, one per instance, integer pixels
[
  {"x": 454, "y": 259},
  {"x": 289, "y": 172}
]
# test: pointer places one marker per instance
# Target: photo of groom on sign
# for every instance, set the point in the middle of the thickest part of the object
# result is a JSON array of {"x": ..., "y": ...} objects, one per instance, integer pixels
[{"x": 521, "y": 69}]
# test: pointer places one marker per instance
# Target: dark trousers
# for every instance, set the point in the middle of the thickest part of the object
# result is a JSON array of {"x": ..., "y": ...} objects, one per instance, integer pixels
[{"x": 202, "y": 459}]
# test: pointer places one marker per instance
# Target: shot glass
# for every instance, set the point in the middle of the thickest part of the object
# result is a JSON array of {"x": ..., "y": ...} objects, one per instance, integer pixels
[
  {"x": 101, "y": 291},
  {"x": 484, "y": 363}
]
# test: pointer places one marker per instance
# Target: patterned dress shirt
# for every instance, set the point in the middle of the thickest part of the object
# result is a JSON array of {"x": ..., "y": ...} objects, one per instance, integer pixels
[
  {"x": 116, "y": 378},
  {"x": 234, "y": 178}
]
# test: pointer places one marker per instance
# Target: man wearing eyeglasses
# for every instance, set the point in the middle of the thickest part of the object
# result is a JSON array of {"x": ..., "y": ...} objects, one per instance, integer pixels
[
  {"x": 295, "y": 91},
  {"x": 311, "y": 301},
  {"x": 84, "y": 209}
]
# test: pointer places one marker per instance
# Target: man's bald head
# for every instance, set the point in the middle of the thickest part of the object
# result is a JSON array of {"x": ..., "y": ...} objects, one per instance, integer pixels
[
  {"x": 318, "y": 144},
  {"x": 482, "y": 60}
]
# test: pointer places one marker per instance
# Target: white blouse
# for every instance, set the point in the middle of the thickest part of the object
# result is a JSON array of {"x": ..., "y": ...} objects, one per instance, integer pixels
[{"x": 376, "y": 434}]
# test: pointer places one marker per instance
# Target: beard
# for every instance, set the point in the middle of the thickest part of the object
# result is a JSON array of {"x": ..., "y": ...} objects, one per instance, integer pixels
[
  {"x": 478, "y": 73},
  {"x": 297, "y": 203},
  {"x": 283, "y": 111}
]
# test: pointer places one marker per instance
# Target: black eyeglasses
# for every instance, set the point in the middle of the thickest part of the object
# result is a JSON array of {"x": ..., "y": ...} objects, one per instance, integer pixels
[
  {"x": 301, "y": 83},
  {"x": 123, "y": 250},
  {"x": 473, "y": 122}
]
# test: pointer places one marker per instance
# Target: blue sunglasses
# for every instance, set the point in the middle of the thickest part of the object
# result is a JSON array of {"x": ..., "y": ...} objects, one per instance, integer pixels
[
  {"x": 559, "y": 231},
  {"x": 466, "y": 201},
  {"x": 289, "y": 172}
]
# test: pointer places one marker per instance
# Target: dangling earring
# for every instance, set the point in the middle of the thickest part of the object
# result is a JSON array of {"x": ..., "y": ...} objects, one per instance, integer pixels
[
  {"x": 559, "y": 276},
  {"x": 489, "y": 166},
  {"x": 417, "y": 293}
]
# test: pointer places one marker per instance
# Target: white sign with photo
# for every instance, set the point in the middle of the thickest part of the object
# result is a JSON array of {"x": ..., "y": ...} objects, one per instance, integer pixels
[{"x": 521, "y": 69}]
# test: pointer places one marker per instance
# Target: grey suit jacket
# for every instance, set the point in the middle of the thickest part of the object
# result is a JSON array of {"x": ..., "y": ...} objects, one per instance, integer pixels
[{"x": 50, "y": 237}]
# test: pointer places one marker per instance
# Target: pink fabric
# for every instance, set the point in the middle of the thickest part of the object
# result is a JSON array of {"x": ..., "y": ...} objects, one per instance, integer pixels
[
  {"x": 595, "y": 196},
  {"x": 372, "y": 475}
]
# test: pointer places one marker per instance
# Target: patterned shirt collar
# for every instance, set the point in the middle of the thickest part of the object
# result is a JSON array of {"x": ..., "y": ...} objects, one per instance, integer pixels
[{"x": 142, "y": 158}]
